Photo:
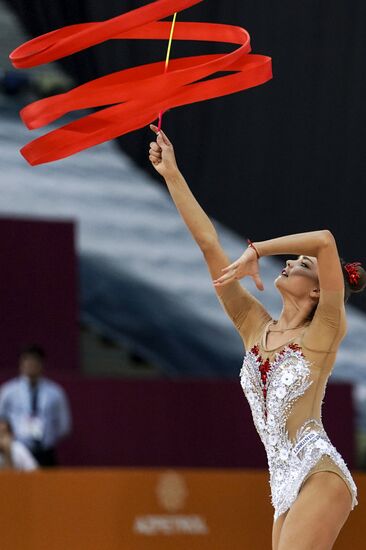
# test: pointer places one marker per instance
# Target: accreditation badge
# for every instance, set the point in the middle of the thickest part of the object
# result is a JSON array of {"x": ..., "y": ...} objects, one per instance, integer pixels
[{"x": 31, "y": 427}]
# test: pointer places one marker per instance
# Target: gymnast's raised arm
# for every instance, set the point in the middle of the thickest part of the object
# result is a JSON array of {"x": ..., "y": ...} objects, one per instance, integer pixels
[{"x": 245, "y": 311}]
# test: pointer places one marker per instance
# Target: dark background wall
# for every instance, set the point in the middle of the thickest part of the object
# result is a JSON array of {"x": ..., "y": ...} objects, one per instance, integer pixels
[
  {"x": 281, "y": 158},
  {"x": 204, "y": 423},
  {"x": 38, "y": 289},
  {"x": 187, "y": 423}
]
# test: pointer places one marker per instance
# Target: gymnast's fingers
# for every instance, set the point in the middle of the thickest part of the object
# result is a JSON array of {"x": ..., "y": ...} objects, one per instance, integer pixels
[
  {"x": 165, "y": 139},
  {"x": 224, "y": 279},
  {"x": 231, "y": 273},
  {"x": 223, "y": 283},
  {"x": 155, "y": 146},
  {"x": 154, "y": 160},
  {"x": 231, "y": 266},
  {"x": 155, "y": 154}
]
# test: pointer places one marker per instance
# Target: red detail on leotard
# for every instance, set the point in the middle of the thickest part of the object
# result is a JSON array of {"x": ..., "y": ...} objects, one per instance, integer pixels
[
  {"x": 294, "y": 347},
  {"x": 265, "y": 367}
]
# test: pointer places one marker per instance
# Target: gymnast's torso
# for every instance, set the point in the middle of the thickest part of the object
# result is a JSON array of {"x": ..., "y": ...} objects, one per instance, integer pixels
[{"x": 285, "y": 388}]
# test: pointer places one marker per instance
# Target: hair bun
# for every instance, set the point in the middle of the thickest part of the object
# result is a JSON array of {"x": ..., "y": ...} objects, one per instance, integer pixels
[{"x": 354, "y": 277}]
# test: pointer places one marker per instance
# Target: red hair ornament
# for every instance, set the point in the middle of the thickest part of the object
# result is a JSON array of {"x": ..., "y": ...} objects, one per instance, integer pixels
[
  {"x": 352, "y": 272},
  {"x": 137, "y": 95}
]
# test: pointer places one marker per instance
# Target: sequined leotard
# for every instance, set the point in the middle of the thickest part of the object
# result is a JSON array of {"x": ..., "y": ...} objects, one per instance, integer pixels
[{"x": 285, "y": 388}]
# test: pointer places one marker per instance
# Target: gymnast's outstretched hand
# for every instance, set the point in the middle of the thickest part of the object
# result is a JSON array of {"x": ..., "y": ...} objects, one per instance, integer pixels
[
  {"x": 162, "y": 155},
  {"x": 246, "y": 266}
]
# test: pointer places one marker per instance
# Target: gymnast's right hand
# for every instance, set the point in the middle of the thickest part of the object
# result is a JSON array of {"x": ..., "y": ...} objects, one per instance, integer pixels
[{"x": 161, "y": 154}]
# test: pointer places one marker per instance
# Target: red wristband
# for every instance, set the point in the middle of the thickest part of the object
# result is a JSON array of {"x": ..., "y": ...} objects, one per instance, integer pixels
[{"x": 254, "y": 248}]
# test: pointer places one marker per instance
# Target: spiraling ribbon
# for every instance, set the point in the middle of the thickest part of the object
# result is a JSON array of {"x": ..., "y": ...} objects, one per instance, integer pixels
[{"x": 134, "y": 96}]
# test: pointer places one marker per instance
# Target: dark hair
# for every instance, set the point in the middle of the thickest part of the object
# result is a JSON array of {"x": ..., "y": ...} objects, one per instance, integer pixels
[
  {"x": 353, "y": 288},
  {"x": 34, "y": 350},
  {"x": 6, "y": 421}
]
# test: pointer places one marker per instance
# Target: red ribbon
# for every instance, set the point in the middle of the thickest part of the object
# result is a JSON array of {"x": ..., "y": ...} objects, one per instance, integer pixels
[{"x": 137, "y": 95}]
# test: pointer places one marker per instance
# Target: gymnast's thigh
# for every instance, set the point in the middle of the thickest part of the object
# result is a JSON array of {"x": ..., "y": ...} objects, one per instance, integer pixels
[
  {"x": 276, "y": 530},
  {"x": 317, "y": 515}
]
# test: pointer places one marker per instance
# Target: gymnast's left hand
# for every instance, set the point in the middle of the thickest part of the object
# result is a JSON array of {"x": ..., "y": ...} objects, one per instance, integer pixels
[{"x": 246, "y": 266}]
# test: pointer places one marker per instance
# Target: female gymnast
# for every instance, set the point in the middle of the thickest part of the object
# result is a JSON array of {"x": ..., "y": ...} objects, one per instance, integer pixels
[{"x": 287, "y": 363}]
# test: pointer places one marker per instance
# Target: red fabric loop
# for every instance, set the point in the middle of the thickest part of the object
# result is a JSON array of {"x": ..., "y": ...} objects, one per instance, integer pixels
[{"x": 137, "y": 95}]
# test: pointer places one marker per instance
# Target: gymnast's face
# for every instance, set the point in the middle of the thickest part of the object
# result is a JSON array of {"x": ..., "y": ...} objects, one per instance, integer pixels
[{"x": 299, "y": 278}]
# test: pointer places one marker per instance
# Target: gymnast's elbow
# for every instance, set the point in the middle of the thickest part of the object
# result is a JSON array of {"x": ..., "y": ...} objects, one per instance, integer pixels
[{"x": 327, "y": 238}]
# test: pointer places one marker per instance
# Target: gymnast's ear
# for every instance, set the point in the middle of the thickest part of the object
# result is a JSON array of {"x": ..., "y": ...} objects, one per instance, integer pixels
[{"x": 315, "y": 294}]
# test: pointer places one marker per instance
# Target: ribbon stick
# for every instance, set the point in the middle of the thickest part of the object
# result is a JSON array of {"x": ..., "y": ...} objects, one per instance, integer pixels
[
  {"x": 167, "y": 62},
  {"x": 133, "y": 96}
]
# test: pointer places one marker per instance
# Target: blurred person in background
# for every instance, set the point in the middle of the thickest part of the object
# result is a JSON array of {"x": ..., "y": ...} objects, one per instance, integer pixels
[
  {"x": 37, "y": 407},
  {"x": 13, "y": 454}
]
